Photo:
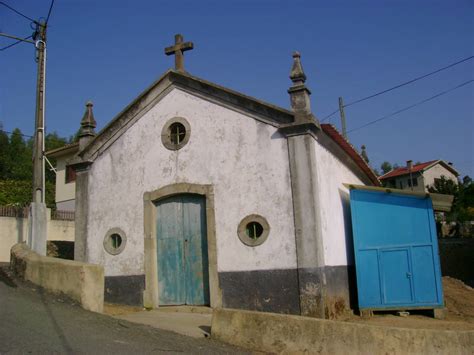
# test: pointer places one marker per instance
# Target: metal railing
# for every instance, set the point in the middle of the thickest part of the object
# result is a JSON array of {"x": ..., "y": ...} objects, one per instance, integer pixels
[{"x": 22, "y": 212}]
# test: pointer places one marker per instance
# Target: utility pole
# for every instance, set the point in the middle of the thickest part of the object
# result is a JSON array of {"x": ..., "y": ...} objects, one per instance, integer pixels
[
  {"x": 38, "y": 160},
  {"x": 38, "y": 212},
  {"x": 343, "y": 117},
  {"x": 38, "y": 219}
]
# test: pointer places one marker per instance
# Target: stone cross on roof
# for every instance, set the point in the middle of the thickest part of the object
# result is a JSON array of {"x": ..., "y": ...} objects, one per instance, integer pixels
[{"x": 178, "y": 49}]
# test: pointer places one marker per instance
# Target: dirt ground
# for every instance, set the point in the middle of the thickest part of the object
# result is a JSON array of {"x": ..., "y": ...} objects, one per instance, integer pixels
[
  {"x": 118, "y": 309},
  {"x": 459, "y": 300}
]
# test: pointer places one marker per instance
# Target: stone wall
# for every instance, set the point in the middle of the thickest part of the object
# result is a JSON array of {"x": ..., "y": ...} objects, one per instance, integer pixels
[
  {"x": 288, "y": 334},
  {"x": 14, "y": 230},
  {"x": 82, "y": 282},
  {"x": 457, "y": 258}
]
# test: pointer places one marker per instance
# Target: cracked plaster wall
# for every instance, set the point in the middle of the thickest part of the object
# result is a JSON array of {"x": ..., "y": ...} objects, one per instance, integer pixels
[
  {"x": 245, "y": 160},
  {"x": 335, "y": 219}
]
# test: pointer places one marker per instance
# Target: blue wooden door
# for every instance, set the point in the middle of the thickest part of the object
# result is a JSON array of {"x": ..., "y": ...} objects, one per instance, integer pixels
[{"x": 182, "y": 251}]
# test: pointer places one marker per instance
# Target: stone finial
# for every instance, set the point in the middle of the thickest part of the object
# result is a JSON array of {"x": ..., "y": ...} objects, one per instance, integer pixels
[
  {"x": 88, "y": 124},
  {"x": 297, "y": 74},
  {"x": 299, "y": 93},
  {"x": 364, "y": 155}
]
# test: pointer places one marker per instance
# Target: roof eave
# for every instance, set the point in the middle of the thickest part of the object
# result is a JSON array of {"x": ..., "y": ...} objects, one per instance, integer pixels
[{"x": 65, "y": 150}]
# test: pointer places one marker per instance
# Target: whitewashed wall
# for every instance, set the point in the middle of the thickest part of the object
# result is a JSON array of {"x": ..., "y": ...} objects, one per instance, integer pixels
[
  {"x": 245, "y": 160},
  {"x": 65, "y": 193},
  {"x": 436, "y": 172},
  {"x": 334, "y": 202},
  {"x": 14, "y": 230}
]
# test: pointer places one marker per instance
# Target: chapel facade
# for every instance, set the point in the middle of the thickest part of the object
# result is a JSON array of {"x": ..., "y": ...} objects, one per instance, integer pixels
[{"x": 196, "y": 194}]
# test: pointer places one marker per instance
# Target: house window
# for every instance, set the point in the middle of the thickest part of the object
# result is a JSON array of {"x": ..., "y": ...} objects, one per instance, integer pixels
[
  {"x": 115, "y": 241},
  {"x": 176, "y": 133},
  {"x": 414, "y": 181},
  {"x": 400, "y": 183},
  {"x": 70, "y": 174},
  {"x": 253, "y": 230}
]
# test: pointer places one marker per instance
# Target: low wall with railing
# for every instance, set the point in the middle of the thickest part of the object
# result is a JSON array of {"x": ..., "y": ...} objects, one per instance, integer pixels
[{"x": 14, "y": 227}]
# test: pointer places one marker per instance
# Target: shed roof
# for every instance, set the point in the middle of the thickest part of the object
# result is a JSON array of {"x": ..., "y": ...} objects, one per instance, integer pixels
[{"x": 68, "y": 149}]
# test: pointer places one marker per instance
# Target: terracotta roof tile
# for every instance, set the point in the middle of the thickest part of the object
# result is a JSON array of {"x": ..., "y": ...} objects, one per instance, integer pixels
[
  {"x": 337, "y": 137},
  {"x": 404, "y": 170}
]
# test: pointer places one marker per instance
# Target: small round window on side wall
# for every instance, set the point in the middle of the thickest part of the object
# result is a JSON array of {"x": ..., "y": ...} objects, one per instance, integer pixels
[
  {"x": 253, "y": 230},
  {"x": 176, "y": 133},
  {"x": 115, "y": 241}
]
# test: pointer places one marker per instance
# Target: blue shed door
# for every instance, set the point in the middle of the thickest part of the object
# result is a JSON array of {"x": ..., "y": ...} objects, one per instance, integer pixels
[
  {"x": 396, "y": 276},
  {"x": 182, "y": 251},
  {"x": 396, "y": 251}
]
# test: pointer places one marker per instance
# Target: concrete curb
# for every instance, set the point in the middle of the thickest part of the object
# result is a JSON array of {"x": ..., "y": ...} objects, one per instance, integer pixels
[
  {"x": 80, "y": 281},
  {"x": 289, "y": 334}
]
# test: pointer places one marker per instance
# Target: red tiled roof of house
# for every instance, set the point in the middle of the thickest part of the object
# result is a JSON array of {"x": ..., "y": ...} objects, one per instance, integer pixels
[
  {"x": 404, "y": 170},
  {"x": 337, "y": 137}
]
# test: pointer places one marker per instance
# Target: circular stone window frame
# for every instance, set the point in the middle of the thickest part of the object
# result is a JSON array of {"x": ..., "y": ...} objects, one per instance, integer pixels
[
  {"x": 242, "y": 230},
  {"x": 107, "y": 241},
  {"x": 166, "y": 134}
]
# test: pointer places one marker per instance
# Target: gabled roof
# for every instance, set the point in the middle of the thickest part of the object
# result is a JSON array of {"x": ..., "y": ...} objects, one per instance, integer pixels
[
  {"x": 261, "y": 110},
  {"x": 417, "y": 168},
  {"x": 68, "y": 149},
  {"x": 338, "y": 138}
]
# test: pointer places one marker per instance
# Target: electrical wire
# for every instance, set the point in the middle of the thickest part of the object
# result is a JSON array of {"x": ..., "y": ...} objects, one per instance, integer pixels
[
  {"x": 399, "y": 85},
  {"x": 49, "y": 12},
  {"x": 411, "y": 106},
  {"x": 409, "y": 81},
  {"x": 330, "y": 115},
  {"x": 21, "y": 134},
  {"x": 15, "y": 43},
  {"x": 16, "y": 11}
]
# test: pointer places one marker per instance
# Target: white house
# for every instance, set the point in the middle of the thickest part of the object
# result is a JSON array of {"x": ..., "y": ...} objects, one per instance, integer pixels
[
  {"x": 420, "y": 176},
  {"x": 197, "y": 194},
  {"x": 65, "y": 193}
]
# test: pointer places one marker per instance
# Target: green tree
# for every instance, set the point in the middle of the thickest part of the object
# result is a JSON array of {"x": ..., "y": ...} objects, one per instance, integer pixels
[
  {"x": 444, "y": 186},
  {"x": 16, "y": 167},
  {"x": 4, "y": 143},
  {"x": 19, "y": 165},
  {"x": 386, "y": 167},
  {"x": 463, "y": 203}
]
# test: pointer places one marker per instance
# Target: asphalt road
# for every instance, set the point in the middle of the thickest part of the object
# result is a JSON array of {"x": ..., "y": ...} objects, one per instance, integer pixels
[{"x": 35, "y": 322}]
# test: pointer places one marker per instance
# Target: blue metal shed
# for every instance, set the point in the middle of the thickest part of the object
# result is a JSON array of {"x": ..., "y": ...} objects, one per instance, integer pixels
[{"x": 396, "y": 249}]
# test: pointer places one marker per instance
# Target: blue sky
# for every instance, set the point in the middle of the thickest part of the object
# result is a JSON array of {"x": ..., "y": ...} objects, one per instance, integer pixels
[{"x": 109, "y": 51}]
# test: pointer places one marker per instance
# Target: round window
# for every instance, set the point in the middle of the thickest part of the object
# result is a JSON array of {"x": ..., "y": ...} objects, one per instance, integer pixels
[
  {"x": 114, "y": 241},
  {"x": 175, "y": 133},
  {"x": 253, "y": 230}
]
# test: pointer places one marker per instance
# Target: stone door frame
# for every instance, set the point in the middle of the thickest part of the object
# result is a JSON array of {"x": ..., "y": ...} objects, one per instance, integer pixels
[{"x": 150, "y": 295}]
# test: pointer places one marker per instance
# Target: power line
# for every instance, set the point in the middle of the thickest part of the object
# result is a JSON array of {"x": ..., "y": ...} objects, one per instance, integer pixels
[
  {"x": 409, "y": 81},
  {"x": 412, "y": 106},
  {"x": 21, "y": 134},
  {"x": 15, "y": 43},
  {"x": 49, "y": 12},
  {"x": 16, "y": 11},
  {"x": 400, "y": 85},
  {"x": 330, "y": 115}
]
